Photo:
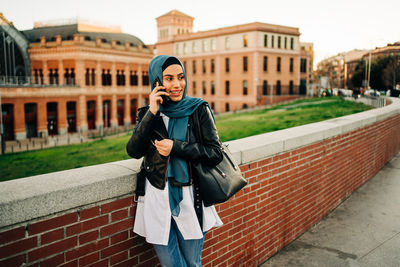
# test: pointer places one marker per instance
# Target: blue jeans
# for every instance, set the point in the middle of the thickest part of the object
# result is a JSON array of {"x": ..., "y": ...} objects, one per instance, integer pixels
[{"x": 179, "y": 252}]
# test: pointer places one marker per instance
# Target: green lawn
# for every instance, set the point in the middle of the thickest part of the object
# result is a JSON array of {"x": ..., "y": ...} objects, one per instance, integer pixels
[{"x": 232, "y": 126}]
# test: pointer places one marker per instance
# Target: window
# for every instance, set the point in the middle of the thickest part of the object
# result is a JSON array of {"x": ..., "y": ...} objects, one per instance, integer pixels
[
  {"x": 185, "y": 49},
  {"x": 265, "y": 40},
  {"x": 227, "y": 87},
  {"x": 291, "y": 43},
  {"x": 194, "y": 66},
  {"x": 212, "y": 105},
  {"x": 227, "y": 43},
  {"x": 212, "y": 65},
  {"x": 212, "y": 87},
  {"x": 194, "y": 87},
  {"x": 291, "y": 65},
  {"x": 87, "y": 77},
  {"x": 213, "y": 45},
  {"x": 245, "y": 87},
  {"x": 303, "y": 65},
  {"x": 265, "y": 88},
  {"x": 272, "y": 41},
  {"x": 245, "y": 40},
  {"x": 291, "y": 87},
  {"x": 278, "y": 64},
  {"x": 93, "y": 76},
  {"x": 244, "y": 106},
  {"x": 204, "y": 65},
  {"x": 184, "y": 65},
  {"x": 245, "y": 63},
  {"x": 227, "y": 107},
  {"x": 285, "y": 42},
  {"x": 205, "y": 46},
  {"x": 278, "y": 87},
  {"x": 227, "y": 64},
  {"x": 145, "y": 78},
  {"x": 133, "y": 78},
  {"x": 265, "y": 63},
  {"x": 279, "y": 42},
  {"x": 204, "y": 88}
]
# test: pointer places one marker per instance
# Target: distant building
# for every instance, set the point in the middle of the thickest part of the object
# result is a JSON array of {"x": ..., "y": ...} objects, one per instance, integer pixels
[
  {"x": 70, "y": 76},
  {"x": 238, "y": 66}
]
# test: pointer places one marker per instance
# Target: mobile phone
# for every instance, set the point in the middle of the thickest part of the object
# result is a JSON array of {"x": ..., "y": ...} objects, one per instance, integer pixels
[{"x": 164, "y": 97}]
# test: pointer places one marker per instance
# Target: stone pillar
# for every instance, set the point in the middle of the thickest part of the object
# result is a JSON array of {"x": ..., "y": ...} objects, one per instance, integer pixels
[
  {"x": 79, "y": 74},
  {"x": 113, "y": 75},
  {"x": 42, "y": 119},
  {"x": 62, "y": 117},
  {"x": 114, "y": 117},
  {"x": 127, "y": 111},
  {"x": 61, "y": 72},
  {"x": 45, "y": 73},
  {"x": 127, "y": 79},
  {"x": 98, "y": 74},
  {"x": 140, "y": 80},
  {"x": 140, "y": 100},
  {"x": 19, "y": 120},
  {"x": 99, "y": 113},
  {"x": 82, "y": 123}
]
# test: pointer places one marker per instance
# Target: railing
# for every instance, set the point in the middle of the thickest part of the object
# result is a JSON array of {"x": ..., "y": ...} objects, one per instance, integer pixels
[{"x": 30, "y": 81}]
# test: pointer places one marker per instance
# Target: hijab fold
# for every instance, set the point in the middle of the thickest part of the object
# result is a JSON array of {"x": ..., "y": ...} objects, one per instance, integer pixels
[{"x": 178, "y": 113}]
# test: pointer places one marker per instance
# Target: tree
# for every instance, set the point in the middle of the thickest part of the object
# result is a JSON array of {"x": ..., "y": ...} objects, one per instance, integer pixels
[{"x": 391, "y": 74}]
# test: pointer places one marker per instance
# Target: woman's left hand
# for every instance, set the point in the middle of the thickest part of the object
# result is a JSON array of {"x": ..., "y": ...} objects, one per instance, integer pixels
[{"x": 164, "y": 146}]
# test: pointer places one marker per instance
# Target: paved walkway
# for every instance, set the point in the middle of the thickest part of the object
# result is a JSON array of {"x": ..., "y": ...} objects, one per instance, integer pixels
[{"x": 363, "y": 231}]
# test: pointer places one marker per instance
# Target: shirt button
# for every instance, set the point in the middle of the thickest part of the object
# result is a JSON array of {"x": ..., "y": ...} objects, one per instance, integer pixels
[
  {"x": 197, "y": 195},
  {"x": 198, "y": 207}
]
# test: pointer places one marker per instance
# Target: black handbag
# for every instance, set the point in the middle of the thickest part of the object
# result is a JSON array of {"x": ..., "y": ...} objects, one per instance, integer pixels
[{"x": 219, "y": 183}]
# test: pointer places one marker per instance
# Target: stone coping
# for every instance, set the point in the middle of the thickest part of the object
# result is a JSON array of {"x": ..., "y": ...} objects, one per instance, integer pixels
[{"x": 45, "y": 195}]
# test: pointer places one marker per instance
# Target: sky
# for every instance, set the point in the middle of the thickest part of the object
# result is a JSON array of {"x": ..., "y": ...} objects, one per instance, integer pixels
[{"x": 333, "y": 26}]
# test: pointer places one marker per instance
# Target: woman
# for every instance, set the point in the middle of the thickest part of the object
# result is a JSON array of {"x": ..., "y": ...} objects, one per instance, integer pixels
[{"x": 170, "y": 213}]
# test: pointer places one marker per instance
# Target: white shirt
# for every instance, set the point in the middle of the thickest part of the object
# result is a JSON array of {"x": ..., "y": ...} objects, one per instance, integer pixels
[{"x": 153, "y": 214}]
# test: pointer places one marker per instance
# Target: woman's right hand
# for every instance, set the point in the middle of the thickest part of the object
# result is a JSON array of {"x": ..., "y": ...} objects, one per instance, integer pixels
[{"x": 156, "y": 99}]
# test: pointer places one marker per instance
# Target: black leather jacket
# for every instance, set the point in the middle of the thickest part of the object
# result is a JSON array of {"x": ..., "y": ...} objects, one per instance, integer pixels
[{"x": 150, "y": 127}]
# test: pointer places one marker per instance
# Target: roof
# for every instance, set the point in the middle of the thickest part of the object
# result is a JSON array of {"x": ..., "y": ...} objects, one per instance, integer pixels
[
  {"x": 67, "y": 32},
  {"x": 175, "y": 13}
]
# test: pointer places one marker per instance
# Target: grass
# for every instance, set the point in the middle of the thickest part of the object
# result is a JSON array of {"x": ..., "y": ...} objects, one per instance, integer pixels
[{"x": 232, "y": 126}]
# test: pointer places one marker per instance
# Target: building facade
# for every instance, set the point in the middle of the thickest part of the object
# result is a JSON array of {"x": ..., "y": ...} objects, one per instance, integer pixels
[
  {"x": 70, "y": 77},
  {"x": 235, "y": 67}
]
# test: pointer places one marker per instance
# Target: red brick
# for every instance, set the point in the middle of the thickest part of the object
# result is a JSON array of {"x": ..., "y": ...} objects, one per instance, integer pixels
[
  {"x": 12, "y": 235},
  {"x": 116, "y": 227},
  {"x": 146, "y": 256},
  {"x": 87, "y": 237},
  {"x": 87, "y": 225},
  {"x": 84, "y": 250},
  {"x": 116, "y": 205},
  {"x": 19, "y": 246},
  {"x": 117, "y": 248},
  {"x": 70, "y": 264},
  {"x": 118, "y": 258},
  {"x": 89, "y": 259},
  {"x": 53, "y": 223},
  {"x": 119, "y": 237},
  {"x": 89, "y": 213},
  {"x": 52, "y": 236},
  {"x": 55, "y": 261},
  {"x": 119, "y": 215},
  {"x": 103, "y": 263},
  {"x": 46, "y": 251},
  {"x": 16, "y": 261},
  {"x": 134, "y": 262}
]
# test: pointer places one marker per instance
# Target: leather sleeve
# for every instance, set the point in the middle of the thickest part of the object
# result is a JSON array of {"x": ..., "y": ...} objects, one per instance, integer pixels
[
  {"x": 140, "y": 139},
  {"x": 209, "y": 151}
]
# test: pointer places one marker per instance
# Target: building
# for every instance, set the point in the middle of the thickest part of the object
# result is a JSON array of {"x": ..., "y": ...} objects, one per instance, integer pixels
[
  {"x": 70, "y": 76},
  {"x": 238, "y": 66},
  {"x": 306, "y": 65}
]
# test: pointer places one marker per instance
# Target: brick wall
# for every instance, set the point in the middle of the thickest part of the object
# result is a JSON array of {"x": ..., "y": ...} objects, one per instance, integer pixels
[{"x": 287, "y": 193}]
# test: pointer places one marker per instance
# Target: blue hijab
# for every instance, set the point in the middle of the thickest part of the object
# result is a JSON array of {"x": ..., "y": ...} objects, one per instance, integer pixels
[{"x": 178, "y": 113}]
